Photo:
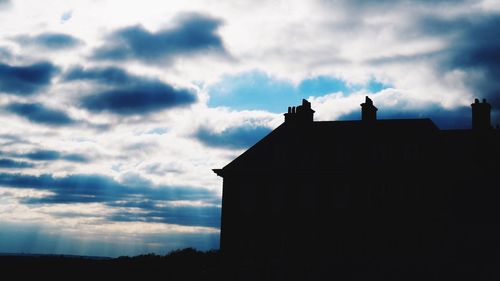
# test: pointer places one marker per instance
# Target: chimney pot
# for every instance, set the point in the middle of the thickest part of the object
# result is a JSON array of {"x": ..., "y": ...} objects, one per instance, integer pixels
[
  {"x": 368, "y": 110},
  {"x": 300, "y": 114},
  {"x": 481, "y": 119}
]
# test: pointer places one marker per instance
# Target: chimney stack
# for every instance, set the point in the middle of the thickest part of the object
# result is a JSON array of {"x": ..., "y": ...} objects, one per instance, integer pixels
[
  {"x": 368, "y": 110},
  {"x": 300, "y": 114},
  {"x": 481, "y": 111}
]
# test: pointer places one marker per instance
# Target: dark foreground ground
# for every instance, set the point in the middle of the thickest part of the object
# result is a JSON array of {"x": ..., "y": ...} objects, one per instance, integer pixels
[{"x": 189, "y": 264}]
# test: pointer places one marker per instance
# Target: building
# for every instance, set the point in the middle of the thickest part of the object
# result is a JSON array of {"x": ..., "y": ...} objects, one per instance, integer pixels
[{"x": 335, "y": 194}]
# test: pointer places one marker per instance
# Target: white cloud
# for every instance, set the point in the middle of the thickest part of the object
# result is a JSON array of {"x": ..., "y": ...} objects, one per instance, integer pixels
[{"x": 288, "y": 40}]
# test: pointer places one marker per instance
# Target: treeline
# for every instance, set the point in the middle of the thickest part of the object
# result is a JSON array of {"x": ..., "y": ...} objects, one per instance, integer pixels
[
  {"x": 190, "y": 264},
  {"x": 186, "y": 264}
]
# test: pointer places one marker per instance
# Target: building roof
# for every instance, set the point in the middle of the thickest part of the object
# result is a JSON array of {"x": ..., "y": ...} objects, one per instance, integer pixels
[
  {"x": 292, "y": 145},
  {"x": 340, "y": 146}
]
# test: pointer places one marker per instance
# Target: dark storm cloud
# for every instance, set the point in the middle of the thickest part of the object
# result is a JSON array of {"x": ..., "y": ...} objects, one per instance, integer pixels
[
  {"x": 237, "y": 137},
  {"x": 38, "y": 113},
  {"x": 130, "y": 94},
  {"x": 52, "y": 41},
  {"x": 133, "y": 193},
  {"x": 474, "y": 47},
  {"x": 42, "y": 155},
  {"x": 185, "y": 215},
  {"x": 98, "y": 188},
  {"x": 53, "y": 155},
  {"x": 26, "y": 80},
  {"x": 13, "y": 164},
  {"x": 107, "y": 75},
  {"x": 138, "y": 100},
  {"x": 75, "y": 157},
  {"x": 192, "y": 34},
  {"x": 208, "y": 215},
  {"x": 479, "y": 49}
]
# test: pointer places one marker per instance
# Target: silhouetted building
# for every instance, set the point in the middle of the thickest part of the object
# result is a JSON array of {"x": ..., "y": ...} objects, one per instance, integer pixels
[{"x": 339, "y": 195}]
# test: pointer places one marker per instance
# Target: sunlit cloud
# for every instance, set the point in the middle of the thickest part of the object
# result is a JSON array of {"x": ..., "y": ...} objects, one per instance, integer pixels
[{"x": 111, "y": 126}]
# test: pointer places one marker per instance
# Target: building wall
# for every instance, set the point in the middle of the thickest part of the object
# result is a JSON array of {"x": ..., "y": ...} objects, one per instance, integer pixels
[{"x": 431, "y": 199}]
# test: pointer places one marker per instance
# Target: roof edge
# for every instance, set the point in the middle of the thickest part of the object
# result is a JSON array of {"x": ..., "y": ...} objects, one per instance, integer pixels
[{"x": 219, "y": 172}]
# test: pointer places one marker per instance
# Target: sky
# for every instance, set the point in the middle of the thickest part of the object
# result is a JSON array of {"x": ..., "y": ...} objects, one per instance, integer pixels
[{"x": 113, "y": 113}]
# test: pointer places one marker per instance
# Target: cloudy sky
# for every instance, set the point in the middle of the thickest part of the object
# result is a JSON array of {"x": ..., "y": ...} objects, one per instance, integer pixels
[{"x": 113, "y": 112}]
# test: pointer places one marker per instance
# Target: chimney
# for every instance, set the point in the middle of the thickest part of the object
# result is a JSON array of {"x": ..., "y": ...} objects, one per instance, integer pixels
[
  {"x": 300, "y": 114},
  {"x": 481, "y": 119},
  {"x": 368, "y": 110}
]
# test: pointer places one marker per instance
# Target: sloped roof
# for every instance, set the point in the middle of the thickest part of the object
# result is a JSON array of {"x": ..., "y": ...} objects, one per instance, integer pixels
[{"x": 316, "y": 145}]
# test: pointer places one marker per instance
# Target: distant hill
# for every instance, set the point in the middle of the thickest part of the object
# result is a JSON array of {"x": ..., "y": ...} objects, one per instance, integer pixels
[{"x": 34, "y": 255}]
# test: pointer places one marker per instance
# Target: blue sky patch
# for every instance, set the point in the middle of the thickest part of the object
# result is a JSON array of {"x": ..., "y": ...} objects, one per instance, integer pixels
[
  {"x": 255, "y": 90},
  {"x": 157, "y": 131},
  {"x": 252, "y": 90},
  {"x": 375, "y": 86},
  {"x": 322, "y": 85}
]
